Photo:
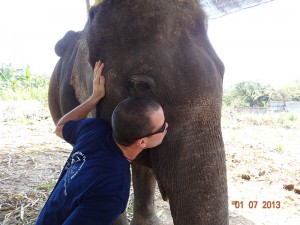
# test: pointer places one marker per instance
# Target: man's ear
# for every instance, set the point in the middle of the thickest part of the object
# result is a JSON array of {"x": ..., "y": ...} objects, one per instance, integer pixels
[{"x": 141, "y": 143}]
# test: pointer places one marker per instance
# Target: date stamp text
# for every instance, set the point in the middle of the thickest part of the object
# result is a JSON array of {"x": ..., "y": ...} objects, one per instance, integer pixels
[{"x": 257, "y": 204}]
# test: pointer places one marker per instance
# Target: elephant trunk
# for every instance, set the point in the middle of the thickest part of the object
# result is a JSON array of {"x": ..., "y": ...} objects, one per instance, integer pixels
[{"x": 191, "y": 169}]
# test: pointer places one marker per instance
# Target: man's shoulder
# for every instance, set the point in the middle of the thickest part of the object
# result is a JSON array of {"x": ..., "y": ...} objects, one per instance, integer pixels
[
  {"x": 95, "y": 120},
  {"x": 73, "y": 130},
  {"x": 96, "y": 123}
]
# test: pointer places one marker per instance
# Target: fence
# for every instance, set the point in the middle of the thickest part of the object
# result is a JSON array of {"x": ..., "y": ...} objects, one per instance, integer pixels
[
  {"x": 256, "y": 110},
  {"x": 273, "y": 106},
  {"x": 277, "y": 106},
  {"x": 293, "y": 107}
]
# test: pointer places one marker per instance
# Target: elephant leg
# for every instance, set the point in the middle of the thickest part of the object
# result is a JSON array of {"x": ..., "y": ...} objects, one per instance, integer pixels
[
  {"x": 144, "y": 184},
  {"x": 122, "y": 219}
]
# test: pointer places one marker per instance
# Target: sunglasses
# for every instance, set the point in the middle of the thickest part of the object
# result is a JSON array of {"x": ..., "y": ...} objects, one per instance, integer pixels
[{"x": 160, "y": 130}]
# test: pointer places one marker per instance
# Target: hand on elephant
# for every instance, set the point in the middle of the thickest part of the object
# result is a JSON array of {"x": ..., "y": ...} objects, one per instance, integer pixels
[{"x": 99, "y": 81}]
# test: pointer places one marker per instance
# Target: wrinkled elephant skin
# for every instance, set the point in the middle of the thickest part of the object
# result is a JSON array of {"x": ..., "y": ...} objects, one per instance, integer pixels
[{"x": 159, "y": 49}]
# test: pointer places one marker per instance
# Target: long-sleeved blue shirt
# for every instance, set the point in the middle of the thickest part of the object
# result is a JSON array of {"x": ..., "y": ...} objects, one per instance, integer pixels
[{"x": 94, "y": 185}]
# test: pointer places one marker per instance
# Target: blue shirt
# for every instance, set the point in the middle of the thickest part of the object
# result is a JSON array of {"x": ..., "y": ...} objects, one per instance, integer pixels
[{"x": 94, "y": 185}]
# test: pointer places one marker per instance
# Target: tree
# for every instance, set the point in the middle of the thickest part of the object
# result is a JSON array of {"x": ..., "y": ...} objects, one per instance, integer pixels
[
  {"x": 293, "y": 91},
  {"x": 289, "y": 92},
  {"x": 248, "y": 93}
]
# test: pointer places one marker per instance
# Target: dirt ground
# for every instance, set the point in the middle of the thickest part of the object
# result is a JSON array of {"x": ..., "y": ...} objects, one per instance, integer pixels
[{"x": 263, "y": 162}]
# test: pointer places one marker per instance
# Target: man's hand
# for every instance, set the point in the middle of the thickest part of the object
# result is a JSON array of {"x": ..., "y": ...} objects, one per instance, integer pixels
[
  {"x": 81, "y": 111},
  {"x": 99, "y": 81}
]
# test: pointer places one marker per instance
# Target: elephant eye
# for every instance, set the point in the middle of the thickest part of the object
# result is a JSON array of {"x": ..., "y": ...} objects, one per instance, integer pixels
[{"x": 141, "y": 85}]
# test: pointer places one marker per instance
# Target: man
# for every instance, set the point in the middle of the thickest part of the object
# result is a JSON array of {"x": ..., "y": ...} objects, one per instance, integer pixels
[{"x": 93, "y": 187}]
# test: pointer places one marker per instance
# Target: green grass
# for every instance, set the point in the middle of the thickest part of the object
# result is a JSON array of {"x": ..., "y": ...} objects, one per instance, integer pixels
[
  {"x": 44, "y": 186},
  {"x": 20, "y": 84},
  {"x": 40, "y": 94}
]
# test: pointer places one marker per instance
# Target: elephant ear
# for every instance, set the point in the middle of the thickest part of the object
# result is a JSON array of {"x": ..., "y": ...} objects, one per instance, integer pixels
[
  {"x": 82, "y": 73},
  {"x": 64, "y": 42},
  {"x": 215, "y": 9}
]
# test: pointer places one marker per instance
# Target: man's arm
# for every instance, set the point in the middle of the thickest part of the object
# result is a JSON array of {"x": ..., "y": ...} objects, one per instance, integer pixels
[{"x": 81, "y": 111}]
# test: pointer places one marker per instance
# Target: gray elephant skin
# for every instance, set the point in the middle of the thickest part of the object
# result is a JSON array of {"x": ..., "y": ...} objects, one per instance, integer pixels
[{"x": 158, "y": 49}]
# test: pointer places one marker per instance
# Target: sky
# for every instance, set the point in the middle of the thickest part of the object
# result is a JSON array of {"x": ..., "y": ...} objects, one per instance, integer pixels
[{"x": 260, "y": 44}]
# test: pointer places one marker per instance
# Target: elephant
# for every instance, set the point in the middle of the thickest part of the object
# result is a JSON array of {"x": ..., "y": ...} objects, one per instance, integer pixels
[{"x": 159, "y": 49}]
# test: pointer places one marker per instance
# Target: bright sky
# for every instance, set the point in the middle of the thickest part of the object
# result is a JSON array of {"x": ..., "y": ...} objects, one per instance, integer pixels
[
  {"x": 30, "y": 29},
  {"x": 261, "y": 43}
]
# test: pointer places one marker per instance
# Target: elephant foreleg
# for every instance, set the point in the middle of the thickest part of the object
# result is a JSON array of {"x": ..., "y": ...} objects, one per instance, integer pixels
[{"x": 144, "y": 184}]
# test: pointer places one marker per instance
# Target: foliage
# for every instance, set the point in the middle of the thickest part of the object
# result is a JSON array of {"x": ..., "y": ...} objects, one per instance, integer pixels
[
  {"x": 289, "y": 92},
  {"x": 21, "y": 84},
  {"x": 278, "y": 94},
  {"x": 91, "y": 3},
  {"x": 247, "y": 93},
  {"x": 97, "y": 2}
]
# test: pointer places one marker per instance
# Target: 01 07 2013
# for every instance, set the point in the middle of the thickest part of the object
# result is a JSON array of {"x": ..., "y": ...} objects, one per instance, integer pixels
[{"x": 257, "y": 204}]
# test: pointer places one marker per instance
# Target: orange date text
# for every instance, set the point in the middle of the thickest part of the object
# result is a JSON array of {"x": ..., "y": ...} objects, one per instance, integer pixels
[{"x": 257, "y": 204}]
